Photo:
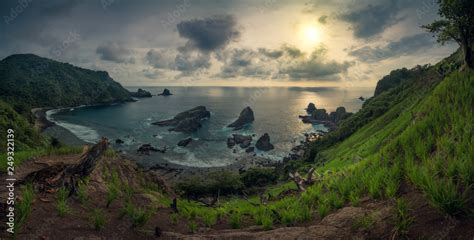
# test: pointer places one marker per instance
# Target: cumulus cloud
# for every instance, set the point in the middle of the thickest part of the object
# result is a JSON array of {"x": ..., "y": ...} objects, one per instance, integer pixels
[
  {"x": 405, "y": 46},
  {"x": 160, "y": 58},
  {"x": 373, "y": 19},
  {"x": 315, "y": 67},
  {"x": 271, "y": 53},
  {"x": 287, "y": 62},
  {"x": 115, "y": 52},
  {"x": 209, "y": 34},
  {"x": 248, "y": 63},
  {"x": 152, "y": 73}
]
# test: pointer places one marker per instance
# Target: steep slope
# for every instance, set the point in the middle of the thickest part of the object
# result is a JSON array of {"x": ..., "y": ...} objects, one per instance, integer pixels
[
  {"x": 27, "y": 79},
  {"x": 25, "y": 135}
]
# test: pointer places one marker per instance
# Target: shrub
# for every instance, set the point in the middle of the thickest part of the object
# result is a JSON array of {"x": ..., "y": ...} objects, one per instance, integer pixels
[
  {"x": 235, "y": 219},
  {"x": 192, "y": 226},
  {"x": 403, "y": 219},
  {"x": 24, "y": 206},
  {"x": 259, "y": 177},
  {"x": 365, "y": 222},
  {"x": 62, "y": 205},
  {"x": 138, "y": 216},
  {"x": 98, "y": 219},
  {"x": 224, "y": 182}
]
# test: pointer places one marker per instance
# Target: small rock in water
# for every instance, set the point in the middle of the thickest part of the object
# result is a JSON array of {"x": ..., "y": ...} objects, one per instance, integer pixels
[
  {"x": 185, "y": 142},
  {"x": 263, "y": 143},
  {"x": 119, "y": 141},
  {"x": 230, "y": 142},
  {"x": 249, "y": 150},
  {"x": 166, "y": 92}
]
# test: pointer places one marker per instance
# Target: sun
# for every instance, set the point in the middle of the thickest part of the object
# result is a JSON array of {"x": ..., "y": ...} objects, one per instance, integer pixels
[
  {"x": 312, "y": 34},
  {"x": 309, "y": 36}
]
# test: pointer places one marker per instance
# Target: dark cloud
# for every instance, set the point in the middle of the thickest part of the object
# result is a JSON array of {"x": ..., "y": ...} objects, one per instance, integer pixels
[
  {"x": 405, "y": 46},
  {"x": 115, "y": 52},
  {"x": 292, "y": 51},
  {"x": 316, "y": 67},
  {"x": 248, "y": 63},
  {"x": 271, "y": 53},
  {"x": 373, "y": 19},
  {"x": 210, "y": 33},
  {"x": 190, "y": 61},
  {"x": 323, "y": 19}
]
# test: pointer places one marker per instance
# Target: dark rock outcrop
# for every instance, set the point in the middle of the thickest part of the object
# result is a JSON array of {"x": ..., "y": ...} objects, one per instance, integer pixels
[
  {"x": 119, "y": 141},
  {"x": 361, "y": 98},
  {"x": 263, "y": 143},
  {"x": 166, "y": 92},
  {"x": 140, "y": 93},
  {"x": 147, "y": 148},
  {"x": 242, "y": 140},
  {"x": 230, "y": 142},
  {"x": 339, "y": 115},
  {"x": 187, "y": 121},
  {"x": 311, "y": 108},
  {"x": 185, "y": 142},
  {"x": 320, "y": 114},
  {"x": 250, "y": 149},
  {"x": 245, "y": 117}
]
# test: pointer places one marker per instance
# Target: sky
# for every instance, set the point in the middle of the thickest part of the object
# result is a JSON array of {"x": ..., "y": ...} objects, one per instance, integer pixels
[{"x": 339, "y": 43}]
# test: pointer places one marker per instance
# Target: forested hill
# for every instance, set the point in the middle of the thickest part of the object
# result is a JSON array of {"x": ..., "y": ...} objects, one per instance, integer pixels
[{"x": 27, "y": 81}]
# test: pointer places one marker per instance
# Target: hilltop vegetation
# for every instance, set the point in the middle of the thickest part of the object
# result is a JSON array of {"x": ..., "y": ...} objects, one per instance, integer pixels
[{"x": 32, "y": 81}]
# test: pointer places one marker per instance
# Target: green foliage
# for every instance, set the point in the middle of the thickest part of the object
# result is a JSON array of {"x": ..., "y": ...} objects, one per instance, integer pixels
[
  {"x": 365, "y": 223},
  {"x": 403, "y": 219},
  {"x": 235, "y": 219},
  {"x": 259, "y": 177},
  {"x": 81, "y": 191},
  {"x": 137, "y": 215},
  {"x": 192, "y": 226},
  {"x": 24, "y": 206},
  {"x": 25, "y": 135},
  {"x": 210, "y": 184},
  {"x": 62, "y": 205},
  {"x": 41, "y": 82},
  {"x": 98, "y": 219}
]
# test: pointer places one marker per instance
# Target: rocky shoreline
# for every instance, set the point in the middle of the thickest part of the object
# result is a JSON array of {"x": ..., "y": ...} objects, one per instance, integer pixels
[{"x": 248, "y": 159}]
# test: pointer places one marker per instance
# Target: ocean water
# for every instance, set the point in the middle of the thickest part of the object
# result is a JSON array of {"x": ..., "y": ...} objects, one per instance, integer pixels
[{"x": 275, "y": 109}]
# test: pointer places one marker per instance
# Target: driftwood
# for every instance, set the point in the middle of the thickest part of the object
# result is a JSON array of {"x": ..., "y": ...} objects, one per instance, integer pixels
[
  {"x": 53, "y": 177},
  {"x": 302, "y": 182}
]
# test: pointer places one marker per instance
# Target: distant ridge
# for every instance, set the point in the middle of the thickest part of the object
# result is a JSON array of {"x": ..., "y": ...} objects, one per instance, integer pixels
[{"x": 34, "y": 81}]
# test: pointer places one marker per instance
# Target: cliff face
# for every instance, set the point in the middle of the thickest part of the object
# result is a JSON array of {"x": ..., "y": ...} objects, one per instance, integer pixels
[{"x": 30, "y": 80}]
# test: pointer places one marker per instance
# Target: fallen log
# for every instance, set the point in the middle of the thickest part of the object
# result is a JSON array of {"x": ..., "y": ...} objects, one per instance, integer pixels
[{"x": 50, "y": 178}]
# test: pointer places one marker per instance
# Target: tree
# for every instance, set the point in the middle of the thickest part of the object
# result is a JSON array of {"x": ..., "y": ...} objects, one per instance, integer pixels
[{"x": 457, "y": 24}]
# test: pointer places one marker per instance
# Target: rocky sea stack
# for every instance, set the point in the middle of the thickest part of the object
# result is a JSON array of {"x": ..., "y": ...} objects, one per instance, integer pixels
[
  {"x": 187, "y": 121},
  {"x": 263, "y": 143},
  {"x": 140, "y": 93},
  {"x": 166, "y": 92},
  {"x": 311, "y": 108},
  {"x": 245, "y": 117}
]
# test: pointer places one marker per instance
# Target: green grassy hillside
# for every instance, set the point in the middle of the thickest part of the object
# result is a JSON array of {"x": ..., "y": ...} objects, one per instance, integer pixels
[
  {"x": 423, "y": 138},
  {"x": 25, "y": 134}
]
